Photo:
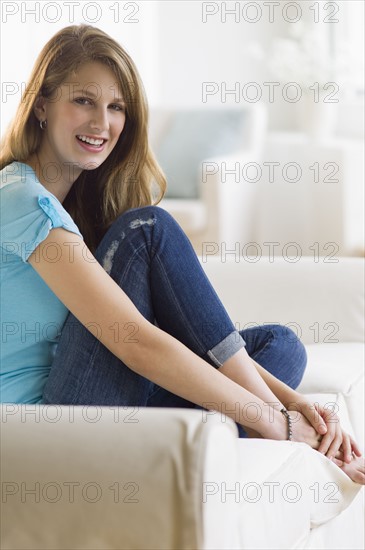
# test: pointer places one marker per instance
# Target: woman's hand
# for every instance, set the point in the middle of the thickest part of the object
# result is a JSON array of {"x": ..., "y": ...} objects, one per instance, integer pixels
[
  {"x": 309, "y": 411},
  {"x": 340, "y": 457},
  {"x": 333, "y": 437},
  {"x": 303, "y": 431},
  {"x": 355, "y": 469},
  {"x": 327, "y": 423},
  {"x": 349, "y": 449},
  {"x": 336, "y": 438},
  {"x": 276, "y": 427}
]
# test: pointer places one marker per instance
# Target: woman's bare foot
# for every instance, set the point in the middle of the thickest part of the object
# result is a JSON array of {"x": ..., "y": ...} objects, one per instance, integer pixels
[{"x": 355, "y": 469}]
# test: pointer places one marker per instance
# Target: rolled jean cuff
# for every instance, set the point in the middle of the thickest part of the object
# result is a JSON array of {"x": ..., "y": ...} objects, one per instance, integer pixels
[{"x": 226, "y": 348}]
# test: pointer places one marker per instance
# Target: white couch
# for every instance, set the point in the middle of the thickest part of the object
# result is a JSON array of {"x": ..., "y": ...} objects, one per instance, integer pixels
[
  {"x": 225, "y": 203},
  {"x": 114, "y": 478}
]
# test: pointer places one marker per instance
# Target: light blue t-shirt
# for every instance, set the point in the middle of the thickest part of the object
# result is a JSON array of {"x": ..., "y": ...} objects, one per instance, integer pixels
[{"x": 31, "y": 314}]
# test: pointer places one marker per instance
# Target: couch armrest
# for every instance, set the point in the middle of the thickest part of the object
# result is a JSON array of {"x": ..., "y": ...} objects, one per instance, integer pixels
[
  {"x": 322, "y": 302},
  {"x": 99, "y": 477},
  {"x": 230, "y": 199},
  {"x": 93, "y": 478}
]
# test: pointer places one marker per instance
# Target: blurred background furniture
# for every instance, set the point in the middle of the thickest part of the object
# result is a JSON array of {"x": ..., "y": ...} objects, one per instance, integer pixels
[
  {"x": 314, "y": 193},
  {"x": 203, "y": 152},
  {"x": 93, "y": 478},
  {"x": 230, "y": 181}
]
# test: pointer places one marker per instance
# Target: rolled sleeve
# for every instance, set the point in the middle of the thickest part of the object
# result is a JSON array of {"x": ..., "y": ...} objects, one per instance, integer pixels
[{"x": 226, "y": 348}]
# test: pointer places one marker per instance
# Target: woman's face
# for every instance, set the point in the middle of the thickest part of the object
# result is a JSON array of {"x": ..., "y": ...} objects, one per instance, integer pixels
[{"x": 84, "y": 120}]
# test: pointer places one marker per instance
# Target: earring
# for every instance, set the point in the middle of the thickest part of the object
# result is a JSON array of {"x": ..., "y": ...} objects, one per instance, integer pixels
[{"x": 43, "y": 124}]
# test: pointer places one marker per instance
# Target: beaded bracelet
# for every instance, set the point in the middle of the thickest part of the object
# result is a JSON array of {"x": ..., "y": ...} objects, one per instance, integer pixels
[{"x": 287, "y": 416}]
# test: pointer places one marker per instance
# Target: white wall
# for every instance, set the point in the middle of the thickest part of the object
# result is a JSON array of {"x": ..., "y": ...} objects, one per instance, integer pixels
[
  {"x": 175, "y": 50},
  {"x": 192, "y": 52}
]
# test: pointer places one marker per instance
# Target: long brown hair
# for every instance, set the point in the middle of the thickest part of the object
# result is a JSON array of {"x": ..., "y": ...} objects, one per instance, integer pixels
[{"x": 130, "y": 177}]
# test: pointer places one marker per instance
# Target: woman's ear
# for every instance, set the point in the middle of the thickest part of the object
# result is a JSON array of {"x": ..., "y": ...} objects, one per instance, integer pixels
[{"x": 40, "y": 108}]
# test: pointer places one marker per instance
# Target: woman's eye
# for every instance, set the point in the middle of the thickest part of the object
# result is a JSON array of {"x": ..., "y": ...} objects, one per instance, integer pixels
[
  {"x": 82, "y": 100},
  {"x": 116, "y": 107},
  {"x": 87, "y": 101}
]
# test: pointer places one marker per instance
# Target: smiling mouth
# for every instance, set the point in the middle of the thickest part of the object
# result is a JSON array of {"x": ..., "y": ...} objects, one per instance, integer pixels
[{"x": 94, "y": 142}]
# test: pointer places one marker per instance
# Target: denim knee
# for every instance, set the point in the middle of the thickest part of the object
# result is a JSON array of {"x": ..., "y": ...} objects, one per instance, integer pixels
[
  {"x": 144, "y": 217},
  {"x": 294, "y": 354},
  {"x": 141, "y": 213}
]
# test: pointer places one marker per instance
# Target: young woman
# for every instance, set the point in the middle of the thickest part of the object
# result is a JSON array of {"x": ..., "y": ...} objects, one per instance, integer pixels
[{"x": 104, "y": 299}]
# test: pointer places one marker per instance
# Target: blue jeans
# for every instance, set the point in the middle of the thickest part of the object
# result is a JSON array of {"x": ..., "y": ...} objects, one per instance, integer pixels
[{"x": 149, "y": 256}]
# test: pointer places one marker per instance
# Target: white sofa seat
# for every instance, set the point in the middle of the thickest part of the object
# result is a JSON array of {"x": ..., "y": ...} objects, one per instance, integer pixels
[{"x": 299, "y": 492}]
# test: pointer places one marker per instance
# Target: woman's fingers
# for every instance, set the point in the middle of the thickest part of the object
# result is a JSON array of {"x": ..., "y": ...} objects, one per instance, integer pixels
[
  {"x": 337, "y": 462},
  {"x": 355, "y": 470},
  {"x": 326, "y": 442},
  {"x": 349, "y": 449},
  {"x": 355, "y": 447},
  {"x": 349, "y": 445},
  {"x": 313, "y": 415},
  {"x": 346, "y": 447},
  {"x": 335, "y": 445},
  {"x": 332, "y": 440},
  {"x": 315, "y": 418}
]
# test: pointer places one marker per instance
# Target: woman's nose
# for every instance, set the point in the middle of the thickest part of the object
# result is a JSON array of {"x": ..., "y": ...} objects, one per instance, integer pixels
[{"x": 100, "y": 119}]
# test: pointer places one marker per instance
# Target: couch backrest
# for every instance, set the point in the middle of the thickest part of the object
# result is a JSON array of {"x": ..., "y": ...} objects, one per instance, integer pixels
[
  {"x": 322, "y": 301},
  {"x": 183, "y": 139}
]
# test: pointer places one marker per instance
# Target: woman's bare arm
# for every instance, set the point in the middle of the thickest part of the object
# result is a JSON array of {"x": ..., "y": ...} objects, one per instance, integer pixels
[
  {"x": 96, "y": 300},
  {"x": 284, "y": 393}
]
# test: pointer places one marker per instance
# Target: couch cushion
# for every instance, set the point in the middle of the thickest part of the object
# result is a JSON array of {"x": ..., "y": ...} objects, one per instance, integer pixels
[
  {"x": 283, "y": 489},
  {"x": 336, "y": 533},
  {"x": 310, "y": 297},
  {"x": 286, "y": 491},
  {"x": 335, "y": 367},
  {"x": 192, "y": 136},
  {"x": 297, "y": 483}
]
